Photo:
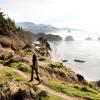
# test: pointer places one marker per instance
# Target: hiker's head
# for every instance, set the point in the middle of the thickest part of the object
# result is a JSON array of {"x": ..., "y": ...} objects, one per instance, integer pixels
[{"x": 34, "y": 55}]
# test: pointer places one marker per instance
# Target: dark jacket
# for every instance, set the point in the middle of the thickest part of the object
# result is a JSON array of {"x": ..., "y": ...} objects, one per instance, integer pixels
[{"x": 35, "y": 62}]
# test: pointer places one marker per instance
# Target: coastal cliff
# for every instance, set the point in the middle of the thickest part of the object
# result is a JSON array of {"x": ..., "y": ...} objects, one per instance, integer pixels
[{"x": 57, "y": 81}]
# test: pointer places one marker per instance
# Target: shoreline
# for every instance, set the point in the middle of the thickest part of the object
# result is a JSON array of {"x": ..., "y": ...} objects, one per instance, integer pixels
[{"x": 56, "y": 59}]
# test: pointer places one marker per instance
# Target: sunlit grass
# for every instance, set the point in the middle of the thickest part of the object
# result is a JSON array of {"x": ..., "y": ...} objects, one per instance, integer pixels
[
  {"x": 73, "y": 90},
  {"x": 8, "y": 74}
]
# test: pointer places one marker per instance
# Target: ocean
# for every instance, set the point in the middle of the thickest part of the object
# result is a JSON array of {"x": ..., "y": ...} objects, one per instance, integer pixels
[{"x": 88, "y": 51}]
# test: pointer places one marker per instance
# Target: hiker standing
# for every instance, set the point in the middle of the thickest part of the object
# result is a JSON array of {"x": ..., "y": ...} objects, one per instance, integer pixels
[{"x": 34, "y": 67}]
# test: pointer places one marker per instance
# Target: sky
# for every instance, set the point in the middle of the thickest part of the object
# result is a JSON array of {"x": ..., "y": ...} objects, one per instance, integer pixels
[{"x": 80, "y": 14}]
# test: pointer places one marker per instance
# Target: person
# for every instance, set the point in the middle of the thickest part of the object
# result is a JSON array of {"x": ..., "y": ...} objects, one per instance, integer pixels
[{"x": 34, "y": 67}]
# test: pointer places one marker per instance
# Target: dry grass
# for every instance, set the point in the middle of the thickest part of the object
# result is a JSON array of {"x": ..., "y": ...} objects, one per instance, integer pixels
[
  {"x": 14, "y": 43},
  {"x": 6, "y": 53}
]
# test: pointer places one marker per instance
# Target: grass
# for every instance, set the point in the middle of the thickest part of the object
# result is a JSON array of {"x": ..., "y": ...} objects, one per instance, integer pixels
[
  {"x": 48, "y": 97},
  {"x": 8, "y": 74},
  {"x": 4, "y": 62},
  {"x": 73, "y": 90},
  {"x": 21, "y": 66},
  {"x": 60, "y": 86},
  {"x": 13, "y": 41},
  {"x": 25, "y": 67},
  {"x": 58, "y": 71}
]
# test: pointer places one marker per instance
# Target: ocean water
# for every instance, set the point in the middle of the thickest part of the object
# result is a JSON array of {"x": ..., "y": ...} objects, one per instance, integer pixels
[{"x": 88, "y": 51}]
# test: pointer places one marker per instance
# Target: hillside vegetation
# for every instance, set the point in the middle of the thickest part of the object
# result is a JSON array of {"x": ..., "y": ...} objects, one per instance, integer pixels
[
  {"x": 15, "y": 69},
  {"x": 49, "y": 37},
  {"x": 10, "y": 35}
]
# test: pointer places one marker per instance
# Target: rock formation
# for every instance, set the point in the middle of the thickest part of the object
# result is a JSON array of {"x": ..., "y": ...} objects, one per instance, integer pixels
[{"x": 69, "y": 38}]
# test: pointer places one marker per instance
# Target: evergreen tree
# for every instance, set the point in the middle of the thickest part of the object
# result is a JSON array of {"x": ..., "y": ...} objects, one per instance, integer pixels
[{"x": 7, "y": 25}]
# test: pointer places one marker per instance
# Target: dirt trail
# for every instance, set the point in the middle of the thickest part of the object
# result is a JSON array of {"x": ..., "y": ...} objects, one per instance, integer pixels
[
  {"x": 62, "y": 95},
  {"x": 49, "y": 90}
]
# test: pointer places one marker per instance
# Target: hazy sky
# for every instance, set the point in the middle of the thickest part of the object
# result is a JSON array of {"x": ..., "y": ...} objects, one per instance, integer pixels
[{"x": 82, "y": 14}]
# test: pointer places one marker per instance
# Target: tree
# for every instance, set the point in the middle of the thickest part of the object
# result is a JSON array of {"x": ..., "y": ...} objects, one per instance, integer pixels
[{"x": 7, "y": 25}]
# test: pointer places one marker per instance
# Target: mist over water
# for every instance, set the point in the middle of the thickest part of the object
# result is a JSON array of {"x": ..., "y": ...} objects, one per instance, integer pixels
[
  {"x": 78, "y": 35},
  {"x": 81, "y": 49}
]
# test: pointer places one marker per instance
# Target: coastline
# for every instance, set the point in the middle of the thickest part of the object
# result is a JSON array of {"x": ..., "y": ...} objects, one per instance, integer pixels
[{"x": 56, "y": 59}]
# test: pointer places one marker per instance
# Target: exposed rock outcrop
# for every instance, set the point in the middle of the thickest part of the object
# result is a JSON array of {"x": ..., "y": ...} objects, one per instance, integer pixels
[
  {"x": 88, "y": 38},
  {"x": 98, "y": 83},
  {"x": 69, "y": 38},
  {"x": 15, "y": 68},
  {"x": 49, "y": 37},
  {"x": 98, "y": 38},
  {"x": 80, "y": 78},
  {"x": 42, "y": 47}
]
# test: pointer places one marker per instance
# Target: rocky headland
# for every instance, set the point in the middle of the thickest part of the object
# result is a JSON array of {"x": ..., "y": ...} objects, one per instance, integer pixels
[{"x": 57, "y": 81}]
